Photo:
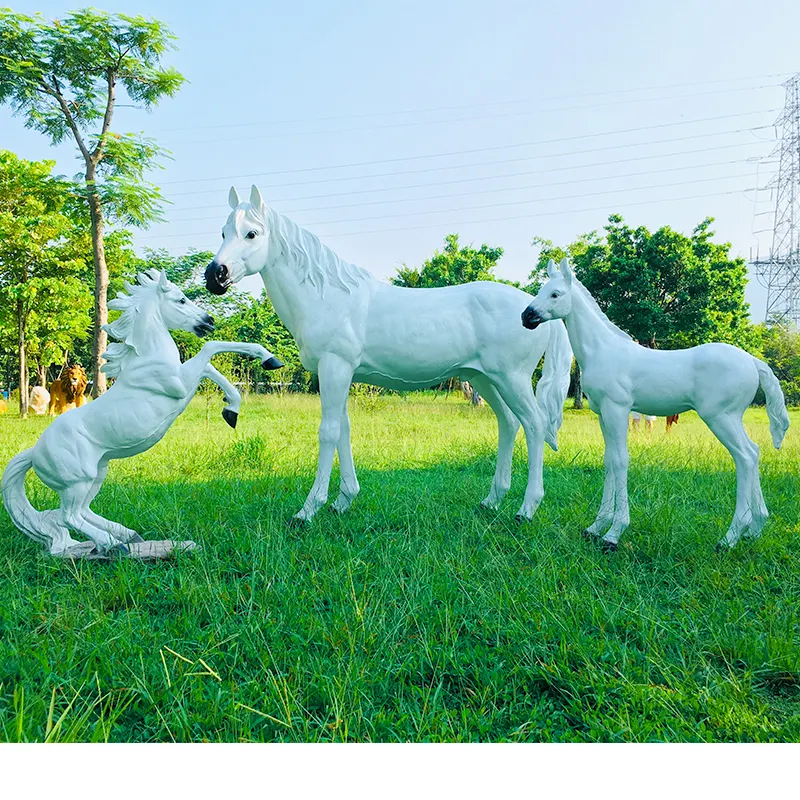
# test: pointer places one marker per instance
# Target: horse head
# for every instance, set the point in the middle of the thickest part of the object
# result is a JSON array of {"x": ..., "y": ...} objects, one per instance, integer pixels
[
  {"x": 554, "y": 300},
  {"x": 154, "y": 294},
  {"x": 245, "y": 243}
]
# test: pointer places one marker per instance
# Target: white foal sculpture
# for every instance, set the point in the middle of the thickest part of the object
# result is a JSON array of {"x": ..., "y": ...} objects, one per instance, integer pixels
[
  {"x": 351, "y": 327},
  {"x": 151, "y": 389},
  {"x": 718, "y": 381}
]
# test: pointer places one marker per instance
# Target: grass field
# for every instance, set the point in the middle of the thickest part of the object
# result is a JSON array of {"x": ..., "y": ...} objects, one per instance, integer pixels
[{"x": 412, "y": 617}]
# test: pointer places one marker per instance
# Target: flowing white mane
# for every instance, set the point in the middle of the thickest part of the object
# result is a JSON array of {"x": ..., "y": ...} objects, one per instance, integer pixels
[
  {"x": 123, "y": 327},
  {"x": 584, "y": 293},
  {"x": 318, "y": 263}
]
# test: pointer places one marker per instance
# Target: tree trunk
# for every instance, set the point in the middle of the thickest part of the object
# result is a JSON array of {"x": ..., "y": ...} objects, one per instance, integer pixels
[
  {"x": 23, "y": 367},
  {"x": 42, "y": 376},
  {"x": 578, "y": 388},
  {"x": 100, "y": 283}
]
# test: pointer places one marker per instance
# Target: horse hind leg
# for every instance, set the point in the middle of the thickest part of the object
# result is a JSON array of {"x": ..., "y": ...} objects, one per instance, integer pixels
[
  {"x": 74, "y": 515},
  {"x": 507, "y": 428},
  {"x": 730, "y": 431},
  {"x": 517, "y": 393},
  {"x": 757, "y": 504},
  {"x": 115, "y": 529}
]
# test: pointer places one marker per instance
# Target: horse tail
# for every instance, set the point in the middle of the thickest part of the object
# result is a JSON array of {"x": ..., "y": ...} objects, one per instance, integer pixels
[
  {"x": 41, "y": 526},
  {"x": 776, "y": 405},
  {"x": 551, "y": 391}
]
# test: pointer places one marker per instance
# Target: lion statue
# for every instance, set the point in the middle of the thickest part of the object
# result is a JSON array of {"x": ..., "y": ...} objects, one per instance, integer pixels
[{"x": 67, "y": 391}]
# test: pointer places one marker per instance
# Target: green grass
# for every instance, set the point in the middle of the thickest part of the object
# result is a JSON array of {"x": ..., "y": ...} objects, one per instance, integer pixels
[{"x": 412, "y": 617}]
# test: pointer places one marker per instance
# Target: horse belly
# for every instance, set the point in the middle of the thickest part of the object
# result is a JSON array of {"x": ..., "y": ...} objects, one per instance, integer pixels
[{"x": 408, "y": 348}]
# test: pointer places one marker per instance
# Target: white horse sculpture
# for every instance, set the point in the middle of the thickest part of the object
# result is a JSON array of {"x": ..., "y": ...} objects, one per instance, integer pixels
[
  {"x": 152, "y": 388},
  {"x": 716, "y": 380},
  {"x": 351, "y": 327}
]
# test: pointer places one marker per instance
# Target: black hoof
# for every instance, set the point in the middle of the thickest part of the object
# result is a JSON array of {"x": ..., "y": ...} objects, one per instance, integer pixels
[
  {"x": 721, "y": 547},
  {"x": 296, "y": 522},
  {"x": 272, "y": 363},
  {"x": 519, "y": 519},
  {"x": 231, "y": 417},
  {"x": 588, "y": 535},
  {"x": 608, "y": 547}
]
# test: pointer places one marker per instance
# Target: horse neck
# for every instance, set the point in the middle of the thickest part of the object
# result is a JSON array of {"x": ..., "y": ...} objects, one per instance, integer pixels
[
  {"x": 587, "y": 332},
  {"x": 294, "y": 295},
  {"x": 156, "y": 343}
]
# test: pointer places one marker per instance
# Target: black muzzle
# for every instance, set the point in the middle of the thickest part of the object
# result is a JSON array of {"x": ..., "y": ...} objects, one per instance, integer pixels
[
  {"x": 218, "y": 279},
  {"x": 206, "y": 325},
  {"x": 531, "y": 318}
]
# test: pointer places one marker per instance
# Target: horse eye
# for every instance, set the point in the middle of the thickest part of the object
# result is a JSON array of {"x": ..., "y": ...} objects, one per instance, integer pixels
[
  {"x": 223, "y": 234},
  {"x": 251, "y": 235},
  {"x": 183, "y": 301},
  {"x": 555, "y": 294}
]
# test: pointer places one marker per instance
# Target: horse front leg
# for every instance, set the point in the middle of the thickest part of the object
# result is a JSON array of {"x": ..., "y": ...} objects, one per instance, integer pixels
[
  {"x": 231, "y": 395},
  {"x": 614, "y": 423},
  {"x": 195, "y": 369},
  {"x": 335, "y": 376}
]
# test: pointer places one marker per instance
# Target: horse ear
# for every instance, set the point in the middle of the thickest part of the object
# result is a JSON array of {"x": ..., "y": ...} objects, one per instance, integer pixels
[
  {"x": 566, "y": 272},
  {"x": 233, "y": 198},
  {"x": 552, "y": 272},
  {"x": 163, "y": 283},
  {"x": 255, "y": 197}
]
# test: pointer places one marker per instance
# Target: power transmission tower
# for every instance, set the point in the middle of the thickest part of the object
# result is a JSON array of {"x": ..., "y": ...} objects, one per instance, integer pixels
[{"x": 780, "y": 273}]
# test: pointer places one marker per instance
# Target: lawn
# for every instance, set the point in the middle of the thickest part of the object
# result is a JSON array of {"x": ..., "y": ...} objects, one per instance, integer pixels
[{"x": 412, "y": 617}]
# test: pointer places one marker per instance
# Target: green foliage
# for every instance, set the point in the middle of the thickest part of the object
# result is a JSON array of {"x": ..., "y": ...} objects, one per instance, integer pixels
[
  {"x": 780, "y": 348},
  {"x": 410, "y": 618},
  {"x": 64, "y": 78},
  {"x": 664, "y": 288},
  {"x": 41, "y": 264},
  {"x": 450, "y": 266}
]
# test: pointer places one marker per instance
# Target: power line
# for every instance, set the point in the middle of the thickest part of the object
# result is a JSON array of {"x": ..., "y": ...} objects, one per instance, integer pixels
[
  {"x": 491, "y": 205},
  {"x": 488, "y": 177},
  {"x": 519, "y": 101},
  {"x": 532, "y": 216},
  {"x": 495, "y": 115},
  {"x": 479, "y": 191},
  {"x": 670, "y": 140}
]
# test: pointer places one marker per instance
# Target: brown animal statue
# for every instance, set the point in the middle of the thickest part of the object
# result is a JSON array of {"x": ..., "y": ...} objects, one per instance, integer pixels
[
  {"x": 671, "y": 420},
  {"x": 67, "y": 391},
  {"x": 3, "y": 406}
]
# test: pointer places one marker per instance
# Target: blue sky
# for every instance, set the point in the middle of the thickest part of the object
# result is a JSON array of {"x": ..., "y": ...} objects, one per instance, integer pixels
[{"x": 385, "y": 126}]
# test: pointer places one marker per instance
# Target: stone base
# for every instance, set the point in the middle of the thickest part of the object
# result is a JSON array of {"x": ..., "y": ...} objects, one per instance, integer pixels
[{"x": 140, "y": 551}]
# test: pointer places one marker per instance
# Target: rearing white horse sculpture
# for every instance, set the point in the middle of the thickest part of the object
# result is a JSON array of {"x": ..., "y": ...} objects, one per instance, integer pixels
[
  {"x": 152, "y": 388},
  {"x": 351, "y": 327},
  {"x": 718, "y": 381}
]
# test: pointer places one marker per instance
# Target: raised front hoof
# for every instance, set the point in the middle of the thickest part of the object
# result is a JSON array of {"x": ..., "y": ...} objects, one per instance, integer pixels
[
  {"x": 231, "y": 417},
  {"x": 272, "y": 363},
  {"x": 298, "y": 523}
]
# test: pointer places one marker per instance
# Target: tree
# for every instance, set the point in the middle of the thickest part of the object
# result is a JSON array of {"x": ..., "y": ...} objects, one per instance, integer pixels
[
  {"x": 780, "y": 348},
  {"x": 43, "y": 304},
  {"x": 451, "y": 266},
  {"x": 64, "y": 77},
  {"x": 664, "y": 288}
]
